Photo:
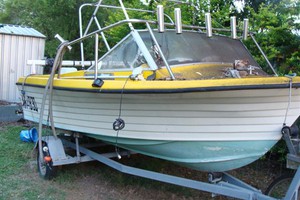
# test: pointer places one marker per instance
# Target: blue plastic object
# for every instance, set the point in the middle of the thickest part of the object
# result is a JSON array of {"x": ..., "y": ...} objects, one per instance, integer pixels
[{"x": 30, "y": 135}]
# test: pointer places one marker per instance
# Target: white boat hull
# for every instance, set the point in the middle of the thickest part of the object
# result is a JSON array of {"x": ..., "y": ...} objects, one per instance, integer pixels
[{"x": 210, "y": 131}]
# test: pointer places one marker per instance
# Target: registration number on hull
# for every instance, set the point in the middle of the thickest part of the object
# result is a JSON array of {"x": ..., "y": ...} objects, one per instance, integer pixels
[{"x": 29, "y": 103}]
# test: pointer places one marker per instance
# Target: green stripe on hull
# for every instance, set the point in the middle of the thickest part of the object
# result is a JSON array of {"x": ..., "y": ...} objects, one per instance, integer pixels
[{"x": 213, "y": 156}]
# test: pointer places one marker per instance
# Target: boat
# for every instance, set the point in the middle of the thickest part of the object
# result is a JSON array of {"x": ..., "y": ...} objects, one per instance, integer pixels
[{"x": 182, "y": 94}]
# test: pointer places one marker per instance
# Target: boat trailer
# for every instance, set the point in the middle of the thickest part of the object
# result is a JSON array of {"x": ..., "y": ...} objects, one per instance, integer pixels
[{"x": 54, "y": 150}]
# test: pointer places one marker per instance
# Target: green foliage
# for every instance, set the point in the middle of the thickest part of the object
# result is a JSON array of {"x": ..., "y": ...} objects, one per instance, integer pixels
[
  {"x": 117, "y": 15},
  {"x": 50, "y": 17},
  {"x": 278, "y": 152},
  {"x": 273, "y": 22}
]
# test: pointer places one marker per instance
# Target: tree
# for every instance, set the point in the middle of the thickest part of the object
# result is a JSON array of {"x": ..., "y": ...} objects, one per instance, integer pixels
[
  {"x": 50, "y": 17},
  {"x": 274, "y": 25},
  {"x": 272, "y": 21}
]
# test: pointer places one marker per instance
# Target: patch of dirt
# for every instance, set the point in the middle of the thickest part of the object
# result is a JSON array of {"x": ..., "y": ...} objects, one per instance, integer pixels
[
  {"x": 5, "y": 103},
  {"x": 21, "y": 122}
]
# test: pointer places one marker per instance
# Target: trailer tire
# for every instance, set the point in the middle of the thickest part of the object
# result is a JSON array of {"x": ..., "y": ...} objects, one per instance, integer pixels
[
  {"x": 46, "y": 169},
  {"x": 279, "y": 187}
]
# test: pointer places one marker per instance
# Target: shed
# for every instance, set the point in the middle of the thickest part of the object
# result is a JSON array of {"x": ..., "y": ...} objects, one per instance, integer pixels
[{"x": 17, "y": 45}]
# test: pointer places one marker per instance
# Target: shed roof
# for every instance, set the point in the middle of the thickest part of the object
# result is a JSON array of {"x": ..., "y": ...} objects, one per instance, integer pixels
[{"x": 20, "y": 30}]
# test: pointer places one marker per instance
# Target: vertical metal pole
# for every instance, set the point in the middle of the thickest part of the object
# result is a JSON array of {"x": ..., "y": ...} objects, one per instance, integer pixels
[
  {"x": 233, "y": 27},
  {"x": 77, "y": 148},
  {"x": 160, "y": 18},
  {"x": 178, "y": 23},
  {"x": 208, "y": 24},
  {"x": 245, "y": 32},
  {"x": 80, "y": 32},
  {"x": 96, "y": 54},
  {"x": 208, "y": 6}
]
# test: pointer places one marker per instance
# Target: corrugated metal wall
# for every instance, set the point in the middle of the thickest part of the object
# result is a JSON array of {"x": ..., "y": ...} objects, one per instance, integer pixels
[{"x": 15, "y": 50}]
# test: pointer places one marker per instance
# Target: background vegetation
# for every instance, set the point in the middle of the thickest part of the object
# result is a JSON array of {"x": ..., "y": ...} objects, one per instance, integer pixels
[{"x": 274, "y": 22}]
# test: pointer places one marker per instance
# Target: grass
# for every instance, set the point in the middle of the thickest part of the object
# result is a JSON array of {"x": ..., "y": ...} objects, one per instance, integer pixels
[
  {"x": 19, "y": 177},
  {"x": 16, "y": 179}
]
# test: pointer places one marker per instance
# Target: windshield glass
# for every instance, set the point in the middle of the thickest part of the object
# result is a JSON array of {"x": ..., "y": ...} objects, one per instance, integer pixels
[
  {"x": 195, "y": 47},
  {"x": 178, "y": 49}
]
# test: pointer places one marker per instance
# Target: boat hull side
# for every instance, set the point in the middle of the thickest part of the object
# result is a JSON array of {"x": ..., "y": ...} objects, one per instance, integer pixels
[{"x": 210, "y": 131}]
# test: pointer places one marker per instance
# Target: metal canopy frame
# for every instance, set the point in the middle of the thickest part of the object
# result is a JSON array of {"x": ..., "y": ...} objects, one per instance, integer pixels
[
  {"x": 160, "y": 22},
  {"x": 85, "y": 34},
  {"x": 227, "y": 185}
]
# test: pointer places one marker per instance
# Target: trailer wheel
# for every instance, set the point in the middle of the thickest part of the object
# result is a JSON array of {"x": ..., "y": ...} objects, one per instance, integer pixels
[
  {"x": 279, "y": 187},
  {"x": 46, "y": 169}
]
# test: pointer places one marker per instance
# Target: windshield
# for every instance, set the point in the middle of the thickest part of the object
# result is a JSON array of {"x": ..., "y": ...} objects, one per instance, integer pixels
[{"x": 178, "y": 49}]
